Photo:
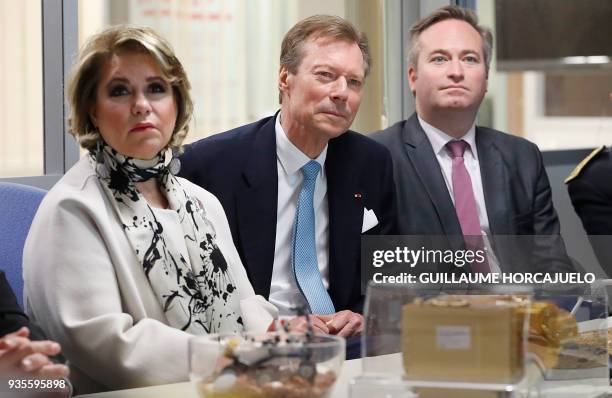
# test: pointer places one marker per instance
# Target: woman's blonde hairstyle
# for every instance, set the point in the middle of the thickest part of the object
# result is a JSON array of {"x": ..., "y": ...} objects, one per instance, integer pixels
[{"x": 86, "y": 76}]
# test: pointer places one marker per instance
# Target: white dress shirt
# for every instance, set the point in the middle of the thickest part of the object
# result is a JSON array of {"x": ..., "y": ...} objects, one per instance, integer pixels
[
  {"x": 284, "y": 291},
  {"x": 438, "y": 140}
]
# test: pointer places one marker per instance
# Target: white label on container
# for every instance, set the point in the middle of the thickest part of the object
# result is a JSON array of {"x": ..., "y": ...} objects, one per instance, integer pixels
[{"x": 453, "y": 337}]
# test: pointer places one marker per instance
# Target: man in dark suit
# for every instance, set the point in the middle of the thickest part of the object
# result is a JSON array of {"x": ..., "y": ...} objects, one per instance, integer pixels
[
  {"x": 298, "y": 188},
  {"x": 590, "y": 190},
  {"x": 452, "y": 177},
  {"x": 12, "y": 317},
  {"x": 23, "y": 351}
]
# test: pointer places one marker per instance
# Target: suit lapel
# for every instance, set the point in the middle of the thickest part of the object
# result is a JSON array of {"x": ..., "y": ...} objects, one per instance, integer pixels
[
  {"x": 426, "y": 165},
  {"x": 494, "y": 181},
  {"x": 256, "y": 208},
  {"x": 345, "y": 218}
]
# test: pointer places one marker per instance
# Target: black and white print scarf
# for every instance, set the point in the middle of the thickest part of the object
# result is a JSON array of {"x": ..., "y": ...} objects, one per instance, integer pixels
[{"x": 197, "y": 294}]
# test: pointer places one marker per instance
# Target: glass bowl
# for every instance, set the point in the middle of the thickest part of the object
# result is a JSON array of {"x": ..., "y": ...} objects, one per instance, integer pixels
[{"x": 270, "y": 365}]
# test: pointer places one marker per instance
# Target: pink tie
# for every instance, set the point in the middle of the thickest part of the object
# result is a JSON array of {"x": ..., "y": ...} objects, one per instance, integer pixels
[{"x": 465, "y": 203}]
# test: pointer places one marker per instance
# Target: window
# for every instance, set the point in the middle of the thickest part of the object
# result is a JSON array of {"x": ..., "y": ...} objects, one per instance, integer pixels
[
  {"x": 556, "y": 108},
  {"x": 21, "y": 89},
  {"x": 230, "y": 49},
  {"x": 37, "y": 40}
]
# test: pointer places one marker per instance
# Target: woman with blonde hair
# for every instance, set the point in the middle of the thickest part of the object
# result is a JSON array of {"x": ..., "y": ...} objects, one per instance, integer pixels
[{"x": 124, "y": 261}]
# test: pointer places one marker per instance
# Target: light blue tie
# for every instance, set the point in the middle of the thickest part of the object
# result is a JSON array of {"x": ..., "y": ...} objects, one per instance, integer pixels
[{"x": 305, "y": 264}]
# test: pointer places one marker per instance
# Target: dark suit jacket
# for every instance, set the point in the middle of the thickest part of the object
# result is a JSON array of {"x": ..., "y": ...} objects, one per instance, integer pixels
[
  {"x": 239, "y": 167},
  {"x": 516, "y": 190},
  {"x": 12, "y": 317},
  {"x": 591, "y": 194}
]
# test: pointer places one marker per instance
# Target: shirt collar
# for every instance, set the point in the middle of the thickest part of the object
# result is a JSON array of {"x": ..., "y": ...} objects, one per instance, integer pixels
[
  {"x": 290, "y": 156},
  {"x": 439, "y": 138}
]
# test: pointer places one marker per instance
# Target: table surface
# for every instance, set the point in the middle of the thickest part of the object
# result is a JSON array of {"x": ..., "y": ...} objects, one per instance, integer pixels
[{"x": 351, "y": 369}]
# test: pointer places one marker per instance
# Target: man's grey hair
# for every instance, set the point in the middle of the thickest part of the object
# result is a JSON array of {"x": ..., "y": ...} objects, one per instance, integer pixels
[{"x": 320, "y": 26}]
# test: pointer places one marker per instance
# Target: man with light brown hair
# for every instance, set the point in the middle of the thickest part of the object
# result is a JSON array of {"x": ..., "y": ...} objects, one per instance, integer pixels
[
  {"x": 299, "y": 188},
  {"x": 454, "y": 178}
]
